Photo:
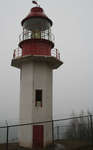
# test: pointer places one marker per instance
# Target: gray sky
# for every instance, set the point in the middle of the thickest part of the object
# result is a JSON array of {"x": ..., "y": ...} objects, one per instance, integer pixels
[{"x": 73, "y": 30}]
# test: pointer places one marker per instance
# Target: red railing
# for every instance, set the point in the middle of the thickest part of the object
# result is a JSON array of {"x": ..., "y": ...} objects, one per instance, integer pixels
[{"x": 18, "y": 53}]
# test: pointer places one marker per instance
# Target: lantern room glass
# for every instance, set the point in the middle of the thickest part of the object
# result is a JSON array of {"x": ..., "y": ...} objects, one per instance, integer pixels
[
  {"x": 37, "y": 28},
  {"x": 27, "y": 34}
]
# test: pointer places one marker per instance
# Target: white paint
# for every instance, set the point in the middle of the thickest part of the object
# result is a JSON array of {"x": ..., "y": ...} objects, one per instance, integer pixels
[{"x": 35, "y": 75}]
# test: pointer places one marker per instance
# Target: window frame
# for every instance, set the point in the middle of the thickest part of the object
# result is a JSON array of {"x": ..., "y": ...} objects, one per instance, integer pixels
[{"x": 38, "y": 97}]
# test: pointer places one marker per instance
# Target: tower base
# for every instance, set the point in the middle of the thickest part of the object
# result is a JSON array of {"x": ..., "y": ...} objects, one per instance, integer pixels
[{"x": 35, "y": 136}]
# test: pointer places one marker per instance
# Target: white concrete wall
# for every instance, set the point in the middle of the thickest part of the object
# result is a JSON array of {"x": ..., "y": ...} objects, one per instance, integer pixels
[
  {"x": 47, "y": 133},
  {"x": 35, "y": 75},
  {"x": 26, "y": 97},
  {"x": 25, "y": 136},
  {"x": 42, "y": 80},
  {"x": 26, "y": 93}
]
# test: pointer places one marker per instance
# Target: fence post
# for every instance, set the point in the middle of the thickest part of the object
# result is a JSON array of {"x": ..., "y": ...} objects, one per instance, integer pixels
[
  {"x": 58, "y": 132},
  {"x": 7, "y": 132},
  {"x": 91, "y": 126},
  {"x": 56, "y": 53},
  {"x": 52, "y": 132},
  {"x": 7, "y": 138},
  {"x": 88, "y": 128}
]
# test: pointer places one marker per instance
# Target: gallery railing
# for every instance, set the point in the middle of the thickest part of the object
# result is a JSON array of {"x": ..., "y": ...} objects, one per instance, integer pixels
[
  {"x": 47, "y": 35},
  {"x": 18, "y": 53}
]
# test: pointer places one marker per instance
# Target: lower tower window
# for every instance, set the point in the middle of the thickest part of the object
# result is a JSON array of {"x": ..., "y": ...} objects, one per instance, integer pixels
[{"x": 38, "y": 97}]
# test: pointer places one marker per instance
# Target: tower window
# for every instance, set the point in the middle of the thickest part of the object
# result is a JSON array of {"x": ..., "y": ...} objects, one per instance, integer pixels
[{"x": 38, "y": 97}]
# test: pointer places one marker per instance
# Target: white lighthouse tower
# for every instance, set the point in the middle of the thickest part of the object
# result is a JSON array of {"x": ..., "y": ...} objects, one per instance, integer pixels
[{"x": 36, "y": 59}]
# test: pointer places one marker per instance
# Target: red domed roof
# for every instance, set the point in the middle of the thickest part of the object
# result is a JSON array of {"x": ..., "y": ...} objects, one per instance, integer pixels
[{"x": 36, "y": 12}]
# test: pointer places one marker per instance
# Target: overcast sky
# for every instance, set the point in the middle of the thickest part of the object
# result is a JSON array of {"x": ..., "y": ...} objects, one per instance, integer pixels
[{"x": 73, "y": 30}]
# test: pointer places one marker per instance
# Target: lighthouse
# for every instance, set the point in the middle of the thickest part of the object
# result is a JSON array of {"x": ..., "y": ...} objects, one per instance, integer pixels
[{"x": 36, "y": 57}]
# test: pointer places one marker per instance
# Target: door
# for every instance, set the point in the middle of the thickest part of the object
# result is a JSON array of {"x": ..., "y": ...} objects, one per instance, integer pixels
[{"x": 38, "y": 136}]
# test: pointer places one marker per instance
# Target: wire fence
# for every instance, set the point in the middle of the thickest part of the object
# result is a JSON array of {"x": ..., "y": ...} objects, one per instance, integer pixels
[{"x": 75, "y": 128}]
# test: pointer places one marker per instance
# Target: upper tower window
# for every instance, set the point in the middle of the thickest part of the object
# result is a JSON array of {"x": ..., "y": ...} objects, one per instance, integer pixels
[{"x": 38, "y": 97}]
